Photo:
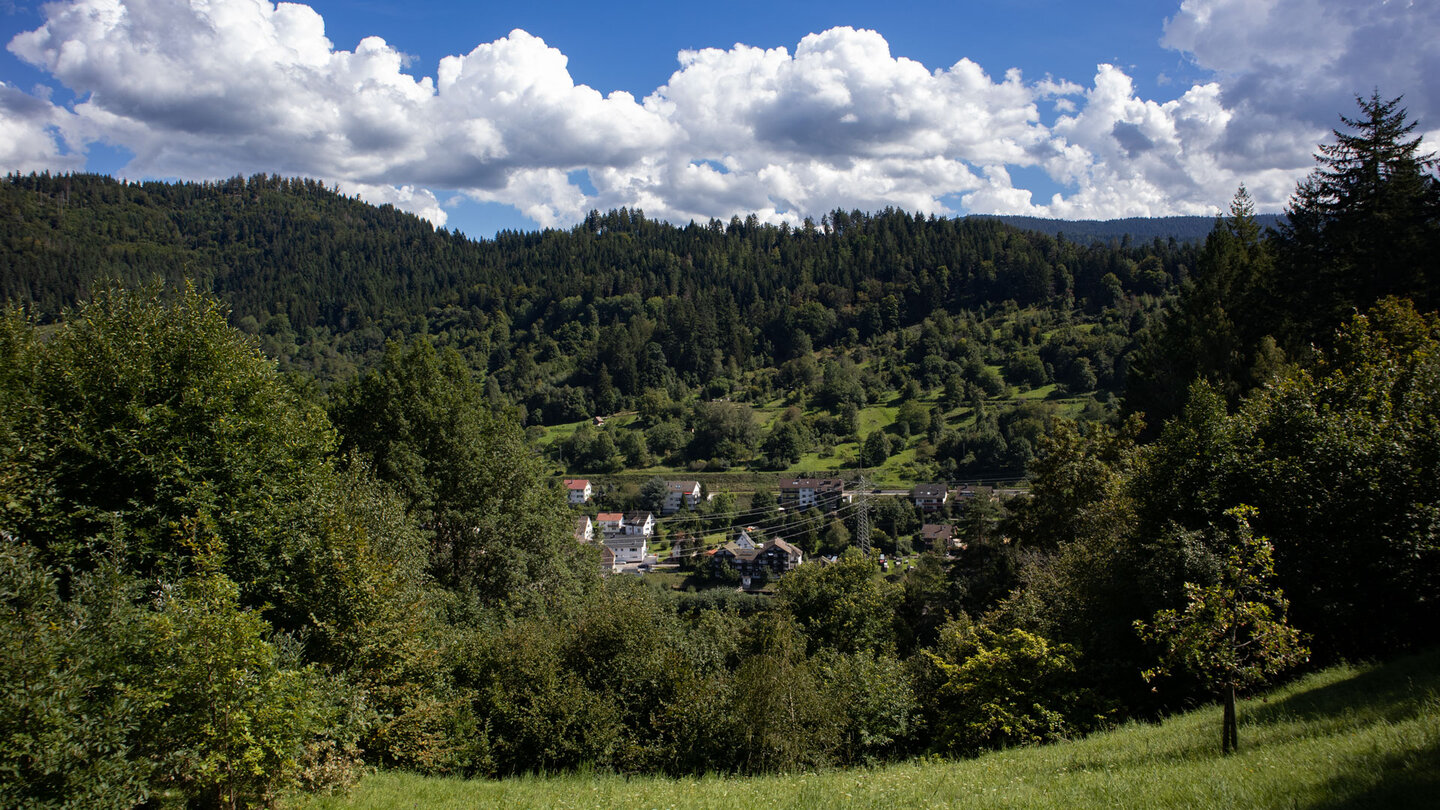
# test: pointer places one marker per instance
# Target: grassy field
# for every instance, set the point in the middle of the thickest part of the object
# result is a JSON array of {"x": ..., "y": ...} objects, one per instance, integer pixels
[{"x": 1349, "y": 737}]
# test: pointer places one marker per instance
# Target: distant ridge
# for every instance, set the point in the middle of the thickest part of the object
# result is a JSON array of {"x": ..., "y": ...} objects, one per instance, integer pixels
[{"x": 1139, "y": 229}]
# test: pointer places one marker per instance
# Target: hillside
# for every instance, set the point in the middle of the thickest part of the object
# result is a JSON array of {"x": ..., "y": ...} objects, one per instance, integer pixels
[
  {"x": 1347, "y": 737},
  {"x": 987, "y": 332},
  {"x": 1133, "y": 229}
]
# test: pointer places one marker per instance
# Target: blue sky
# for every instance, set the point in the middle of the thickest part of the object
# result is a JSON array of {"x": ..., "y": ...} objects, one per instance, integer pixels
[{"x": 786, "y": 110}]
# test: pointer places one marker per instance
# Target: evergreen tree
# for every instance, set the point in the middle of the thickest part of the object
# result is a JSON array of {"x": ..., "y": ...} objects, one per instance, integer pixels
[
  {"x": 1213, "y": 333},
  {"x": 1365, "y": 224}
]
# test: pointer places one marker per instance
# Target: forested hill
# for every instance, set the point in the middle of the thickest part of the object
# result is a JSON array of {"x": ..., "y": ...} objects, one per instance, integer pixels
[
  {"x": 291, "y": 255},
  {"x": 334, "y": 260},
  {"x": 1130, "y": 229},
  {"x": 266, "y": 246}
]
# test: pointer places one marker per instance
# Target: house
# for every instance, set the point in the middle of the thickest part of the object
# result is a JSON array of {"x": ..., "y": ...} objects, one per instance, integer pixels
[
  {"x": 806, "y": 493},
  {"x": 938, "y": 536},
  {"x": 930, "y": 497},
  {"x": 680, "y": 494},
  {"x": 774, "y": 558},
  {"x": 608, "y": 564},
  {"x": 744, "y": 540},
  {"x": 610, "y": 523},
  {"x": 578, "y": 491},
  {"x": 584, "y": 529},
  {"x": 972, "y": 492},
  {"x": 628, "y": 548},
  {"x": 733, "y": 556},
  {"x": 641, "y": 523},
  {"x": 780, "y": 557}
]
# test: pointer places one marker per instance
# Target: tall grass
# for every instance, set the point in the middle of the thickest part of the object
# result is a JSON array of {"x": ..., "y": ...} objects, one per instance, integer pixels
[{"x": 1348, "y": 737}]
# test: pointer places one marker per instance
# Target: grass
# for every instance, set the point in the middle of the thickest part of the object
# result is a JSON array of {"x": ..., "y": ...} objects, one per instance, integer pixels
[{"x": 1348, "y": 737}]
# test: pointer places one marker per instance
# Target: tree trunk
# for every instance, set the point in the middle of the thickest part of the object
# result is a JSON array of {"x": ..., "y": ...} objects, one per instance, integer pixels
[{"x": 1229, "y": 739}]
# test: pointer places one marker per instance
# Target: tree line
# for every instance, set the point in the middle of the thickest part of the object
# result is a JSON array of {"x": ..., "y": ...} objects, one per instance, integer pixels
[{"x": 566, "y": 321}]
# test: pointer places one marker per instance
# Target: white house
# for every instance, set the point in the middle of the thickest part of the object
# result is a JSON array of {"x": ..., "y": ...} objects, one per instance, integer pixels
[
  {"x": 930, "y": 497},
  {"x": 804, "y": 493},
  {"x": 578, "y": 490},
  {"x": 610, "y": 523},
  {"x": 678, "y": 494},
  {"x": 641, "y": 523},
  {"x": 628, "y": 548}
]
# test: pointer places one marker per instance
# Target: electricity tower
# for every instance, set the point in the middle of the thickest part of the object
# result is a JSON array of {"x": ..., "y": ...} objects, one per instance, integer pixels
[{"x": 862, "y": 517}]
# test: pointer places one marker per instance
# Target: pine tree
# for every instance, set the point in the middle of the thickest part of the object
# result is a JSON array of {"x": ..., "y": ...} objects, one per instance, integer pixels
[
  {"x": 1365, "y": 224},
  {"x": 1214, "y": 332}
]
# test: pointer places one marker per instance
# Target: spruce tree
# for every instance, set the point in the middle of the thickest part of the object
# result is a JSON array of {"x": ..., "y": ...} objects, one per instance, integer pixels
[{"x": 1364, "y": 225}]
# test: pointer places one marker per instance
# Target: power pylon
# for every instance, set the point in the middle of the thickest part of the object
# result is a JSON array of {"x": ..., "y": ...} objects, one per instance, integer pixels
[{"x": 862, "y": 517}]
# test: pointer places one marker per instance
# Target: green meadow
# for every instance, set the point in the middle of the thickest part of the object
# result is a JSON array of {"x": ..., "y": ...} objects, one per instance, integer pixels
[{"x": 1347, "y": 737}]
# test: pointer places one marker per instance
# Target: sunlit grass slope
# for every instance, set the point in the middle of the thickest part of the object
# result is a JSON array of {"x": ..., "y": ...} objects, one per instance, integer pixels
[{"x": 1349, "y": 737}]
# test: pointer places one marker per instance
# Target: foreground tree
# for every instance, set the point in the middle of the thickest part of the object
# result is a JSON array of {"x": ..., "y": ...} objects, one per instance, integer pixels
[
  {"x": 1339, "y": 458},
  {"x": 142, "y": 412},
  {"x": 498, "y": 527},
  {"x": 181, "y": 560},
  {"x": 987, "y": 688},
  {"x": 1233, "y": 633},
  {"x": 144, "y": 409}
]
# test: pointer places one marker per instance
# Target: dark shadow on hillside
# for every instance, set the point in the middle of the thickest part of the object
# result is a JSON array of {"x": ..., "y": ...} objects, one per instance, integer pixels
[
  {"x": 1393, "y": 691},
  {"x": 1397, "y": 781}
]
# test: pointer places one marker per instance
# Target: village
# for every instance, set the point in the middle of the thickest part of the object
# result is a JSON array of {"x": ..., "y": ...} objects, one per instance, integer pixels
[{"x": 749, "y": 548}]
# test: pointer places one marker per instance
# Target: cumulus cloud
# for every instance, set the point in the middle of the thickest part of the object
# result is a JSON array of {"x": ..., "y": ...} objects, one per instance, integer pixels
[
  {"x": 30, "y": 134},
  {"x": 202, "y": 89},
  {"x": 419, "y": 201},
  {"x": 840, "y": 123},
  {"x": 1289, "y": 66}
]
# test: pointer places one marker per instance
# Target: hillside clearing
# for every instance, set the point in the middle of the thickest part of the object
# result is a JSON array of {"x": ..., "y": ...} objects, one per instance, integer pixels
[{"x": 1347, "y": 737}]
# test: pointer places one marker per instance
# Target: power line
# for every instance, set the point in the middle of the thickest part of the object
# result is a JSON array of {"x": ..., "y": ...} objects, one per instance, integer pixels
[{"x": 839, "y": 513}]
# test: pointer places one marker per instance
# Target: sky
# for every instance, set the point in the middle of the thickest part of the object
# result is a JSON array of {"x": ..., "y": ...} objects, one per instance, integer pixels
[{"x": 484, "y": 116}]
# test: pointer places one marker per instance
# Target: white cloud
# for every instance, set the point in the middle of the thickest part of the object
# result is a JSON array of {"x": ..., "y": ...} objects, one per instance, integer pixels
[
  {"x": 208, "y": 88},
  {"x": 30, "y": 134},
  {"x": 842, "y": 123},
  {"x": 201, "y": 89},
  {"x": 1289, "y": 67},
  {"x": 419, "y": 201},
  {"x": 1141, "y": 157}
]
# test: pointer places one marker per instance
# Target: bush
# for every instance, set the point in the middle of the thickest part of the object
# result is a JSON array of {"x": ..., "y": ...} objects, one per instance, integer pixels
[
  {"x": 109, "y": 702},
  {"x": 999, "y": 689},
  {"x": 66, "y": 729}
]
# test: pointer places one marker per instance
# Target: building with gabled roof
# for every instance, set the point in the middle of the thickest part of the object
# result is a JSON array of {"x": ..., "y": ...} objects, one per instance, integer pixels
[
  {"x": 608, "y": 562},
  {"x": 938, "y": 536},
  {"x": 610, "y": 522},
  {"x": 639, "y": 523},
  {"x": 628, "y": 548},
  {"x": 805, "y": 493},
  {"x": 930, "y": 497},
  {"x": 680, "y": 494},
  {"x": 578, "y": 491}
]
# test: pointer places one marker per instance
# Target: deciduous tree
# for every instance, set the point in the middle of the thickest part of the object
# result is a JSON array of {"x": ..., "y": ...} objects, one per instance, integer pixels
[{"x": 1233, "y": 633}]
